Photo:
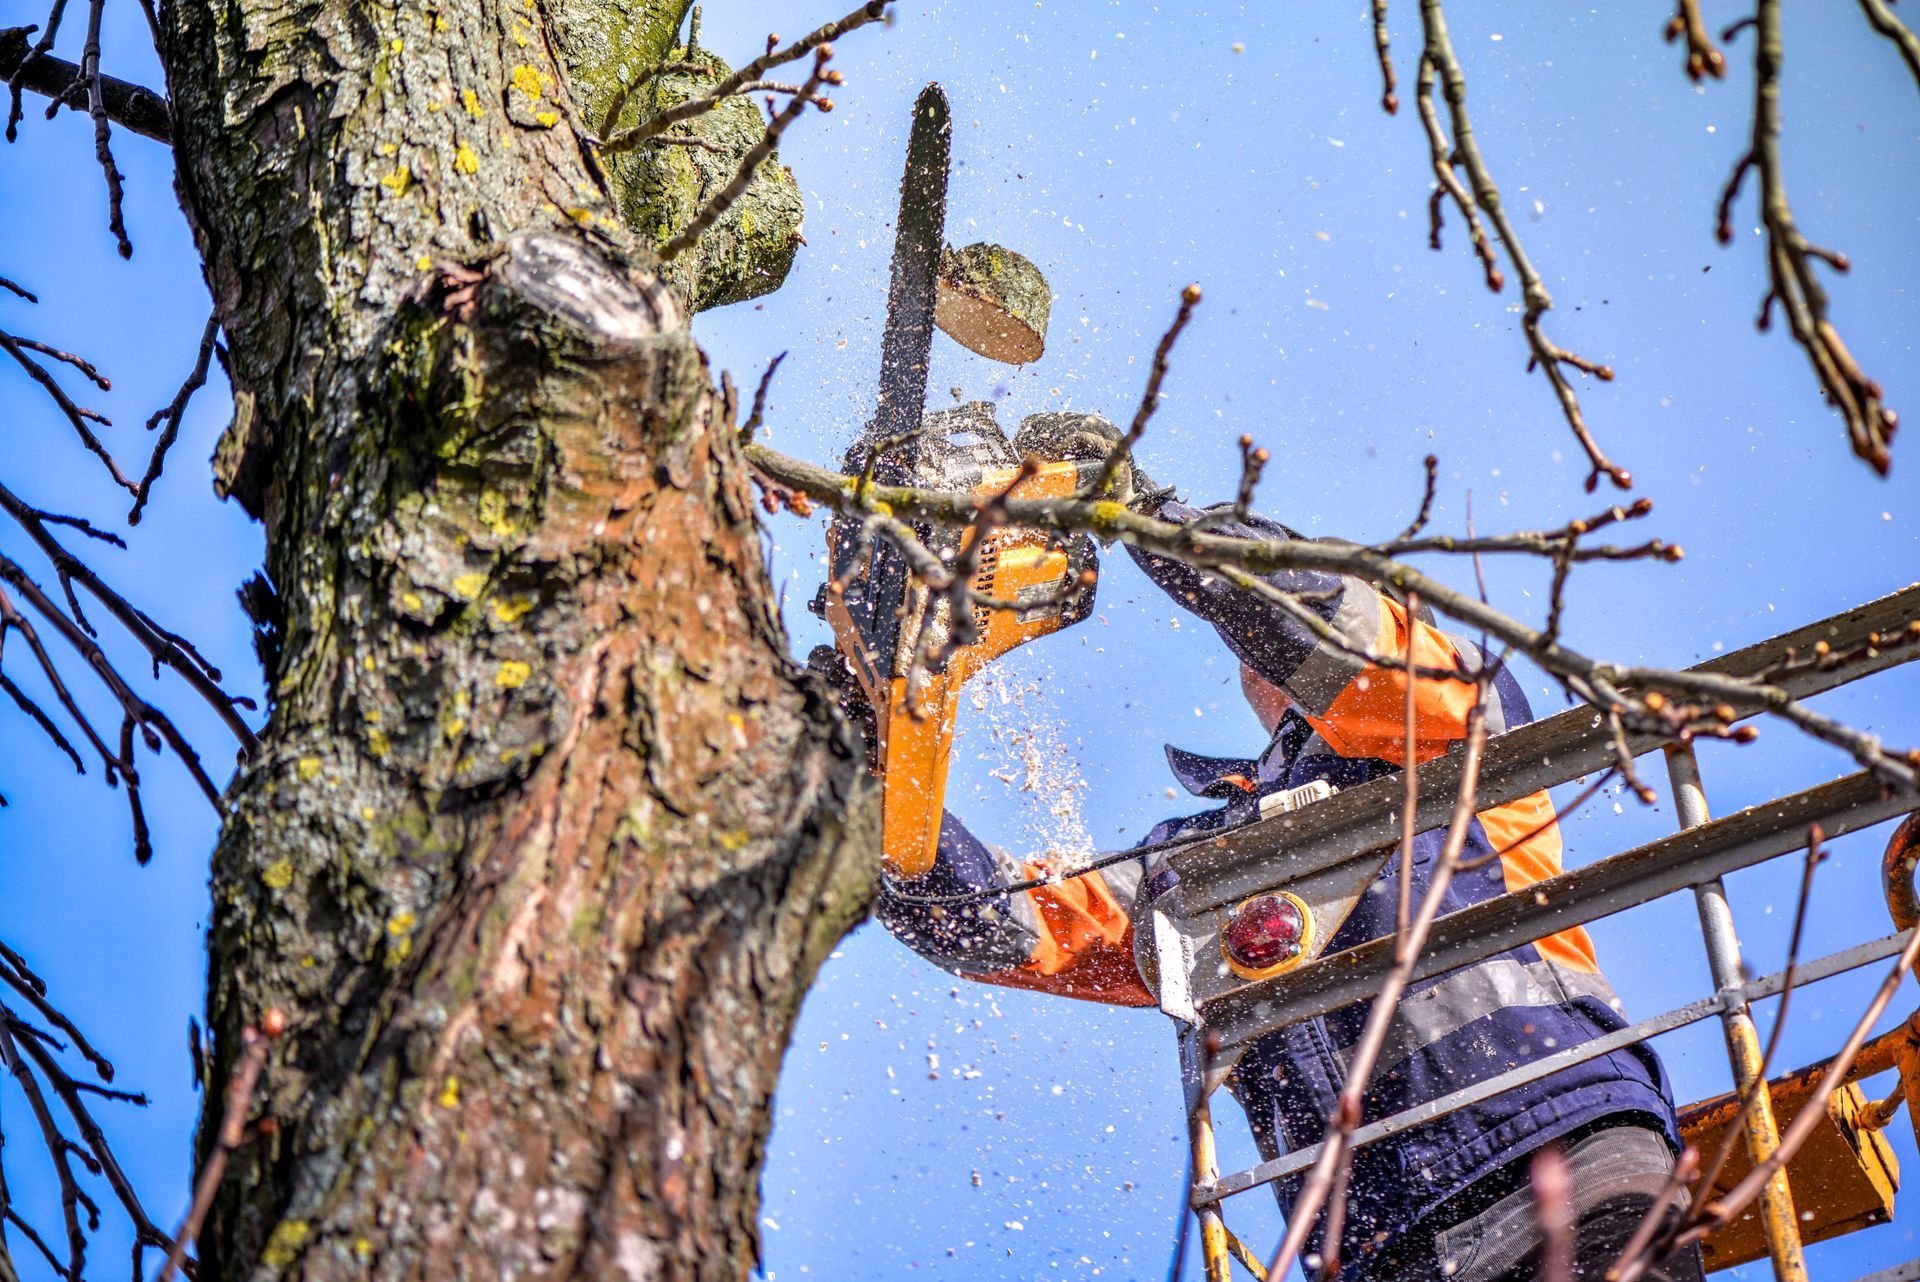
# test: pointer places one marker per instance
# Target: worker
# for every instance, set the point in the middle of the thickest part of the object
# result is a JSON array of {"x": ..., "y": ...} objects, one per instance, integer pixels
[{"x": 1450, "y": 1198}]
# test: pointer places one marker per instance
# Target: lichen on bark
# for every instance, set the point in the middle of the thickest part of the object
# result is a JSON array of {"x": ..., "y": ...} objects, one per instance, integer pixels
[
  {"x": 547, "y": 834},
  {"x": 661, "y": 185}
]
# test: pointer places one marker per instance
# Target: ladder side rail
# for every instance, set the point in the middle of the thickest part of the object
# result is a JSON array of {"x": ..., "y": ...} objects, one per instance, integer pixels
[
  {"x": 1778, "y": 1220},
  {"x": 1220, "y": 868},
  {"x": 1805, "y": 973},
  {"x": 1658, "y": 868}
]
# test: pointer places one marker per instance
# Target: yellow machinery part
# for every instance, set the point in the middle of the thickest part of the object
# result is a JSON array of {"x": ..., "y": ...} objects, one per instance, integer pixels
[{"x": 1844, "y": 1177}]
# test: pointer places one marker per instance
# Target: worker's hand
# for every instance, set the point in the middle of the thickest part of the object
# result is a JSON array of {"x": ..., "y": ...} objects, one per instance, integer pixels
[
  {"x": 827, "y": 663},
  {"x": 1063, "y": 437}
]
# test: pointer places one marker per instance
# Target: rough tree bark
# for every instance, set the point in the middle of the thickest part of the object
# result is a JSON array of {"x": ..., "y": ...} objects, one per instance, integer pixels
[{"x": 547, "y": 835}]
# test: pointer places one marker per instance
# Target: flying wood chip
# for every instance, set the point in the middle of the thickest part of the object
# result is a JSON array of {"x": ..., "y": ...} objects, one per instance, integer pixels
[{"x": 994, "y": 302}]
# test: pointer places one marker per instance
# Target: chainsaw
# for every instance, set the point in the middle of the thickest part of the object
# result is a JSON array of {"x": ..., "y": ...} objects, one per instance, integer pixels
[{"x": 897, "y": 638}]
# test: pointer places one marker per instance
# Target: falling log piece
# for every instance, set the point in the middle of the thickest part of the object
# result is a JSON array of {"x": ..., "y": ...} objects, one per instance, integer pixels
[{"x": 994, "y": 302}]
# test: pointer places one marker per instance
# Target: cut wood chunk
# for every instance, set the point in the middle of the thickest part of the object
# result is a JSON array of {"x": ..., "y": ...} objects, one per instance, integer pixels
[{"x": 994, "y": 302}]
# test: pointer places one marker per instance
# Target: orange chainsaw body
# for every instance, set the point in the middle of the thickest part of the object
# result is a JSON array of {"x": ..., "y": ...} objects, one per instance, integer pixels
[{"x": 1037, "y": 576}]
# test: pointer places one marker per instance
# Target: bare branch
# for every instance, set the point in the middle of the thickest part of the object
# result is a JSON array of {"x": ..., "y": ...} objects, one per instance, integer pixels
[
  {"x": 756, "y": 417},
  {"x": 1656, "y": 700},
  {"x": 750, "y": 163},
  {"x": 1703, "y": 58},
  {"x": 232, "y": 1134},
  {"x": 1553, "y": 1203},
  {"x": 1792, "y": 281},
  {"x": 102, "y": 129},
  {"x": 163, "y": 647},
  {"x": 1334, "y": 1162},
  {"x": 1149, "y": 399},
  {"x": 1880, "y": 14},
  {"x": 171, "y": 414},
  {"x": 76, "y": 415},
  {"x": 1419, "y": 522},
  {"x": 737, "y": 83},
  {"x": 1439, "y": 57},
  {"x": 1389, "y": 100}
]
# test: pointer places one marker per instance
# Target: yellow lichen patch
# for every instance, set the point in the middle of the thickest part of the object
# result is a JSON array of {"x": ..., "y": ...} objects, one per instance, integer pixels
[
  {"x": 450, "y": 1093},
  {"x": 1107, "y": 512},
  {"x": 367, "y": 662},
  {"x": 454, "y": 728},
  {"x": 440, "y": 24},
  {"x": 732, "y": 841},
  {"x": 512, "y": 675},
  {"x": 283, "y": 1246},
  {"x": 547, "y": 119},
  {"x": 309, "y": 962},
  {"x": 378, "y": 743},
  {"x": 465, "y": 160},
  {"x": 308, "y": 767},
  {"x": 412, "y": 599},
  {"x": 582, "y": 216},
  {"x": 399, "y": 181},
  {"x": 527, "y": 80},
  {"x": 493, "y": 511},
  {"x": 363, "y": 1247},
  {"x": 512, "y": 608},
  {"x": 424, "y": 263},
  {"x": 522, "y": 33},
  {"x": 397, "y": 45},
  {"x": 468, "y": 586},
  {"x": 389, "y": 148},
  {"x": 371, "y": 716},
  {"x": 278, "y": 875},
  {"x": 471, "y": 101},
  {"x": 434, "y": 108},
  {"x": 369, "y": 814},
  {"x": 398, "y": 929}
]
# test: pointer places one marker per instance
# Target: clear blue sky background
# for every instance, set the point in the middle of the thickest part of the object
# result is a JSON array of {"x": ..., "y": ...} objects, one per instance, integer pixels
[{"x": 1126, "y": 150}]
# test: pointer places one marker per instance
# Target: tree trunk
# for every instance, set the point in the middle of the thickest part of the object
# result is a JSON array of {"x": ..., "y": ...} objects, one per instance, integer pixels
[{"x": 547, "y": 836}]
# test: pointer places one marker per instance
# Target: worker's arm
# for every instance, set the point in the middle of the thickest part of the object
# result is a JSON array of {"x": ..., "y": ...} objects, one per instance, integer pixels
[
  {"x": 1073, "y": 939},
  {"x": 1358, "y": 706}
]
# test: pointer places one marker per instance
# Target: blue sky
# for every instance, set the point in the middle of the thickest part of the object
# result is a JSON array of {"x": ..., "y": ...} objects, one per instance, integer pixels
[{"x": 1128, "y": 151}]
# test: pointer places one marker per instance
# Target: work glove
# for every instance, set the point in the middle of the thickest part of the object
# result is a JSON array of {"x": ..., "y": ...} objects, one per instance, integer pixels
[{"x": 1063, "y": 437}]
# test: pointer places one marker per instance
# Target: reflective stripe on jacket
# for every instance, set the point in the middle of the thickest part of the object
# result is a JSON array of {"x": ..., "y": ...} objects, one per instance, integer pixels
[{"x": 1347, "y": 727}]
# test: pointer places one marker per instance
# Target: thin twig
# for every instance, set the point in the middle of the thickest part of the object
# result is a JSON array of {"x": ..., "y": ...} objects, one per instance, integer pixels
[
  {"x": 754, "y": 419},
  {"x": 1703, "y": 59},
  {"x": 750, "y": 163},
  {"x": 232, "y": 1134},
  {"x": 1880, "y": 14},
  {"x": 1410, "y": 773},
  {"x": 735, "y": 84},
  {"x": 1419, "y": 522},
  {"x": 171, "y": 414},
  {"x": 1645, "y": 1248},
  {"x": 1149, "y": 399},
  {"x": 1439, "y": 55},
  {"x": 1792, "y": 281},
  {"x": 85, "y": 366},
  {"x": 102, "y": 129},
  {"x": 76, "y": 415},
  {"x": 1389, "y": 100},
  {"x": 1553, "y": 1204},
  {"x": 1689, "y": 702},
  {"x": 1813, "y": 1113},
  {"x": 1335, "y": 1158}
]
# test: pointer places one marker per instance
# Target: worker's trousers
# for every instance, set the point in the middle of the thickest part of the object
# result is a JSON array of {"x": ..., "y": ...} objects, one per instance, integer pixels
[{"x": 1494, "y": 1233}]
